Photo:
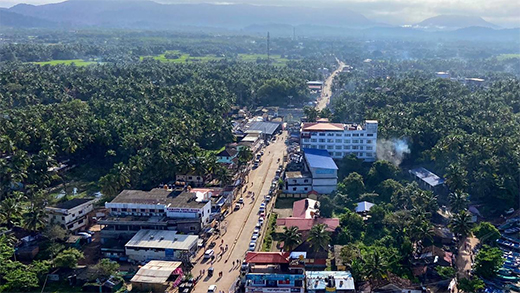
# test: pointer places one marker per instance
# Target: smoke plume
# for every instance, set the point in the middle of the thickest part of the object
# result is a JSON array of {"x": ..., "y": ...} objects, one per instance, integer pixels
[{"x": 392, "y": 150}]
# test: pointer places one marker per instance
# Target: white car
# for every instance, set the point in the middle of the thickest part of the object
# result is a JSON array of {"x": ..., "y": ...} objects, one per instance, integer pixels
[
  {"x": 209, "y": 253},
  {"x": 252, "y": 246},
  {"x": 254, "y": 238},
  {"x": 212, "y": 289},
  {"x": 268, "y": 198},
  {"x": 256, "y": 231}
]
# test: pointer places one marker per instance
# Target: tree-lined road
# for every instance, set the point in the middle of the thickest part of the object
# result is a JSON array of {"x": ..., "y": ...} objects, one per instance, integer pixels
[{"x": 326, "y": 92}]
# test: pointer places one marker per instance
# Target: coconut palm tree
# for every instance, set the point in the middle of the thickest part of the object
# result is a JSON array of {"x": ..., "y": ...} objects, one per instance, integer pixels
[
  {"x": 11, "y": 208},
  {"x": 458, "y": 201},
  {"x": 291, "y": 237},
  {"x": 461, "y": 224},
  {"x": 319, "y": 237},
  {"x": 34, "y": 219}
]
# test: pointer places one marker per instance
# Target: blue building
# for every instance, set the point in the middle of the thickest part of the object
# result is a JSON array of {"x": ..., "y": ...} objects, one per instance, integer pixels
[{"x": 323, "y": 170}]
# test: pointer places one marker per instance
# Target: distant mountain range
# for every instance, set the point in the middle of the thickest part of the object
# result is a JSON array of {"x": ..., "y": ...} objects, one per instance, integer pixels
[
  {"x": 142, "y": 14},
  {"x": 279, "y": 20},
  {"x": 450, "y": 22}
]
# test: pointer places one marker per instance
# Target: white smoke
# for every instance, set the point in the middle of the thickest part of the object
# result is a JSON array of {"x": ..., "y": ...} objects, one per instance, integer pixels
[{"x": 393, "y": 150}]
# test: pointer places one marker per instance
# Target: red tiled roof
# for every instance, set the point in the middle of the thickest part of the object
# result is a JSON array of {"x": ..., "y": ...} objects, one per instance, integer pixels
[
  {"x": 313, "y": 126},
  {"x": 307, "y": 224},
  {"x": 299, "y": 209},
  {"x": 267, "y": 257}
]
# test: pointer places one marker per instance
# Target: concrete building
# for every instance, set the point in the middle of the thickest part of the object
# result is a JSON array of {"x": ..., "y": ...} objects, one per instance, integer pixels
[
  {"x": 428, "y": 180},
  {"x": 158, "y": 276},
  {"x": 297, "y": 182},
  {"x": 160, "y": 245},
  {"x": 193, "y": 179},
  {"x": 342, "y": 139},
  {"x": 323, "y": 170},
  {"x": 227, "y": 156},
  {"x": 329, "y": 281},
  {"x": 71, "y": 215},
  {"x": 273, "y": 272},
  {"x": 185, "y": 210}
]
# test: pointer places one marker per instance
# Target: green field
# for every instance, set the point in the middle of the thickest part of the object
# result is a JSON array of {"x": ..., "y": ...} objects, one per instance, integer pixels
[
  {"x": 77, "y": 62},
  {"x": 507, "y": 56},
  {"x": 183, "y": 58},
  {"x": 186, "y": 58}
]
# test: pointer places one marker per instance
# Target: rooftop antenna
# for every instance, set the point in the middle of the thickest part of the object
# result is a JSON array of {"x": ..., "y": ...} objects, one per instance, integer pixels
[{"x": 268, "y": 55}]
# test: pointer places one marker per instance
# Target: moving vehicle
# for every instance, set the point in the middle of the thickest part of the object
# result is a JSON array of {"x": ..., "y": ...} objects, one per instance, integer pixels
[
  {"x": 209, "y": 253},
  {"x": 212, "y": 288}
]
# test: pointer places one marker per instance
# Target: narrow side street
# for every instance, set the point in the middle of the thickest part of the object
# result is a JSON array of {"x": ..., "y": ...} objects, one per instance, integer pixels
[{"x": 241, "y": 224}]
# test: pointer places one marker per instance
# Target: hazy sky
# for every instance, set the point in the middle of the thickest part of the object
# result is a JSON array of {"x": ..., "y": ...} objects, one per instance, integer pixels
[{"x": 505, "y": 13}]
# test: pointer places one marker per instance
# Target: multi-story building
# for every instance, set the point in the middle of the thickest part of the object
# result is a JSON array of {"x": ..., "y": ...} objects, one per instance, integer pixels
[
  {"x": 71, "y": 215},
  {"x": 329, "y": 281},
  {"x": 318, "y": 173},
  {"x": 185, "y": 210},
  {"x": 274, "y": 272},
  {"x": 160, "y": 245},
  {"x": 342, "y": 139}
]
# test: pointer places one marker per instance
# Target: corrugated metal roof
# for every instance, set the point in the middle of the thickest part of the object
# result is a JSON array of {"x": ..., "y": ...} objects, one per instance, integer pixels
[
  {"x": 364, "y": 206},
  {"x": 427, "y": 176},
  {"x": 156, "y": 272},
  {"x": 317, "y": 280},
  {"x": 317, "y": 158},
  {"x": 162, "y": 239},
  {"x": 264, "y": 127}
]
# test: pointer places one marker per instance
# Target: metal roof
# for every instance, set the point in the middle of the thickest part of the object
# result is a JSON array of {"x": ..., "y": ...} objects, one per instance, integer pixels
[
  {"x": 264, "y": 127},
  {"x": 321, "y": 159},
  {"x": 427, "y": 176},
  {"x": 162, "y": 239},
  {"x": 156, "y": 272},
  {"x": 159, "y": 196},
  {"x": 364, "y": 206},
  {"x": 317, "y": 280}
]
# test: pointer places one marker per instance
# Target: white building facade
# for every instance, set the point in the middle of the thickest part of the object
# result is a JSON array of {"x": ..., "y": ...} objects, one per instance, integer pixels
[
  {"x": 342, "y": 139},
  {"x": 71, "y": 215}
]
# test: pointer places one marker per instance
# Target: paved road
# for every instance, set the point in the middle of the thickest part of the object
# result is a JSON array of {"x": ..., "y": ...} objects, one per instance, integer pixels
[
  {"x": 326, "y": 92},
  {"x": 241, "y": 223}
]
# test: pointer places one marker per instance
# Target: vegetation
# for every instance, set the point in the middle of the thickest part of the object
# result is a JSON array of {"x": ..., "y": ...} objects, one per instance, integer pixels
[
  {"x": 486, "y": 233},
  {"x": 291, "y": 237},
  {"x": 488, "y": 261}
]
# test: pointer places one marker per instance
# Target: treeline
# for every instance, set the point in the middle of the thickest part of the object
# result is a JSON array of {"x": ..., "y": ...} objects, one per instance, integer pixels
[
  {"x": 469, "y": 135},
  {"x": 145, "y": 121}
]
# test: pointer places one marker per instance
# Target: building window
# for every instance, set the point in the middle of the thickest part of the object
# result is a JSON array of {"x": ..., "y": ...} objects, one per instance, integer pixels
[
  {"x": 152, "y": 210},
  {"x": 305, "y": 140},
  {"x": 347, "y": 147},
  {"x": 80, "y": 212},
  {"x": 294, "y": 181},
  {"x": 361, "y": 147},
  {"x": 70, "y": 226},
  {"x": 339, "y": 134},
  {"x": 142, "y": 210},
  {"x": 190, "y": 178},
  {"x": 370, "y": 134},
  {"x": 322, "y": 147},
  {"x": 347, "y": 140},
  {"x": 369, "y": 148},
  {"x": 330, "y": 134},
  {"x": 329, "y": 147},
  {"x": 321, "y": 134},
  {"x": 347, "y": 134},
  {"x": 322, "y": 140},
  {"x": 338, "y": 140},
  {"x": 355, "y": 141},
  {"x": 306, "y": 180},
  {"x": 355, "y": 147},
  {"x": 355, "y": 134},
  {"x": 80, "y": 221},
  {"x": 330, "y": 140},
  {"x": 305, "y": 188},
  {"x": 362, "y": 134},
  {"x": 369, "y": 141},
  {"x": 63, "y": 218},
  {"x": 294, "y": 188},
  {"x": 123, "y": 209},
  {"x": 134, "y": 210},
  {"x": 192, "y": 228},
  {"x": 314, "y": 140},
  {"x": 339, "y": 154},
  {"x": 338, "y": 147}
]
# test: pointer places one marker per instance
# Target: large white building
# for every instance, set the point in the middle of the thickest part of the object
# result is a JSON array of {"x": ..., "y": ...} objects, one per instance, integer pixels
[
  {"x": 71, "y": 215},
  {"x": 342, "y": 139}
]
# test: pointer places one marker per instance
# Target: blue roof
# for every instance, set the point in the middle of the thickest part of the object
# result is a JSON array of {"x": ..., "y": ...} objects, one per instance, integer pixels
[
  {"x": 364, "y": 206},
  {"x": 427, "y": 176},
  {"x": 321, "y": 159}
]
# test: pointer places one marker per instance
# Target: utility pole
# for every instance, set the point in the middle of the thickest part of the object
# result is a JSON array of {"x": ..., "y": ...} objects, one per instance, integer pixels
[{"x": 268, "y": 53}]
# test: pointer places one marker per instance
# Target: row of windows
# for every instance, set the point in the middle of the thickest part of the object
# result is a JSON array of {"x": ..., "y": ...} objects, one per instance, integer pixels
[
  {"x": 136, "y": 210},
  {"x": 340, "y": 134},
  {"x": 330, "y": 140}
]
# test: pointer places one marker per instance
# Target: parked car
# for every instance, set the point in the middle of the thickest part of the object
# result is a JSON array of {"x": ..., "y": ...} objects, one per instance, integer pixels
[
  {"x": 268, "y": 198},
  {"x": 241, "y": 200},
  {"x": 237, "y": 206},
  {"x": 244, "y": 266},
  {"x": 212, "y": 289},
  {"x": 254, "y": 238},
  {"x": 209, "y": 253},
  {"x": 258, "y": 225},
  {"x": 252, "y": 246},
  {"x": 256, "y": 231}
]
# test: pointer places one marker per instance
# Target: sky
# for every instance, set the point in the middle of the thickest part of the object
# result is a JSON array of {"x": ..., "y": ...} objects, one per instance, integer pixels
[{"x": 505, "y": 13}]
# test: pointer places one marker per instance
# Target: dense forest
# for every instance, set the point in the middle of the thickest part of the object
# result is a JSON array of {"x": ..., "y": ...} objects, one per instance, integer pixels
[
  {"x": 470, "y": 134},
  {"x": 147, "y": 120}
]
